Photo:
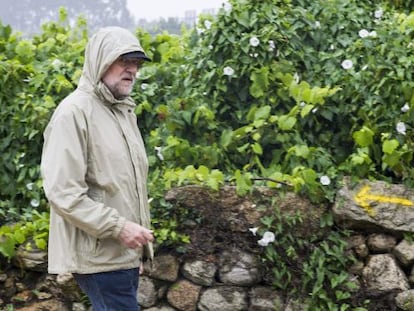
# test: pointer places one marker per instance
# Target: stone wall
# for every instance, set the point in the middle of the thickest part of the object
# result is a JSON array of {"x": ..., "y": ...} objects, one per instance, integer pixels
[
  {"x": 221, "y": 268},
  {"x": 230, "y": 282},
  {"x": 382, "y": 217}
]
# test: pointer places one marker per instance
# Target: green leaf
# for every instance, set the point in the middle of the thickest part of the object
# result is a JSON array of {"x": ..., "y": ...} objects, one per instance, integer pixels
[
  {"x": 364, "y": 137},
  {"x": 309, "y": 176},
  {"x": 41, "y": 243},
  {"x": 286, "y": 122},
  {"x": 19, "y": 236},
  {"x": 260, "y": 82},
  {"x": 306, "y": 110},
  {"x": 25, "y": 51},
  {"x": 7, "y": 247},
  {"x": 187, "y": 115},
  {"x": 243, "y": 182},
  {"x": 257, "y": 148},
  {"x": 389, "y": 146},
  {"x": 302, "y": 151},
  {"x": 263, "y": 112},
  {"x": 244, "y": 18},
  {"x": 226, "y": 138},
  {"x": 391, "y": 159},
  {"x": 215, "y": 179}
]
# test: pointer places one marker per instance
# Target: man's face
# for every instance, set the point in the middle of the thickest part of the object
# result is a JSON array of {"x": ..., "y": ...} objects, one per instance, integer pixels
[{"x": 120, "y": 76}]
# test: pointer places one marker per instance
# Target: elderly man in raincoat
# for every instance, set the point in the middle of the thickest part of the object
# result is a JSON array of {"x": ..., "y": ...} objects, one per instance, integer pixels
[{"x": 94, "y": 170}]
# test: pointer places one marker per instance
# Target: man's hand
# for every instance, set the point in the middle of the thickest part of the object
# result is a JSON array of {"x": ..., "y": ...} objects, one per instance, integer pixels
[{"x": 134, "y": 235}]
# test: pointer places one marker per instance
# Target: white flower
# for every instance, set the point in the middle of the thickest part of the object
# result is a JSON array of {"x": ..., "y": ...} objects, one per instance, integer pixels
[
  {"x": 347, "y": 64},
  {"x": 378, "y": 13},
  {"x": 228, "y": 71},
  {"x": 144, "y": 86},
  {"x": 373, "y": 34},
  {"x": 296, "y": 77},
  {"x": 302, "y": 104},
  {"x": 268, "y": 237},
  {"x": 56, "y": 63},
  {"x": 325, "y": 180},
  {"x": 254, "y": 41},
  {"x": 254, "y": 55},
  {"x": 272, "y": 45},
  {"x": 401, "y": 128},
  {"x": 207, "y": 24},
  {"x": 317, "y": 24},
  {"x": 314, "y": 110},
  {"x": 34, "y": 203},
  {"x": 405, "y": 108},
  {"x": 253, "y": 230},
  {"x": 159, "y": 154},
  {"x": 332, "y": 47},
  {"x": 29, "y": 186},
  {"x": 200, "y": 31},
  {"x": 210, "y": 47},
  {"x": 363, "y": 33}
]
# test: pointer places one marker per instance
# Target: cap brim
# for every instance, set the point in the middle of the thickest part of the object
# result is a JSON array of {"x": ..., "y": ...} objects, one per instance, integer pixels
[{"x": 137, "y": 54}]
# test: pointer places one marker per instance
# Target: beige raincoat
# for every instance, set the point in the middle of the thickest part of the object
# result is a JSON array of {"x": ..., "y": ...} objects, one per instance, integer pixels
[{"x": 94, "y": 168}]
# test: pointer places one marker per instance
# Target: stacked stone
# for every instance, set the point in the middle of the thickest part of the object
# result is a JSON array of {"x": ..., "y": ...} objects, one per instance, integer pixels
[{"x": 231, "y": 282}]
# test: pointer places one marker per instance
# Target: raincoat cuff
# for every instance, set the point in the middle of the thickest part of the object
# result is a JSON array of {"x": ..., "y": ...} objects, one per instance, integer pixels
[{"x": 118, "y": 227}]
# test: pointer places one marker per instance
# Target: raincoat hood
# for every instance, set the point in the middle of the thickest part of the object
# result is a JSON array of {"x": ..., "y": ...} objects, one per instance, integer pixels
[{"x": 103, "y": 48}]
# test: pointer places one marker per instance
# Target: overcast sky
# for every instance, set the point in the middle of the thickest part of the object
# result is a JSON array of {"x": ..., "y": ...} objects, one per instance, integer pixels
[{"x": 154, "y": 9}]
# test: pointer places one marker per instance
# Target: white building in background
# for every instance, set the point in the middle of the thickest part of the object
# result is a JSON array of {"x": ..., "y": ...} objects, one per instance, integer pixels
[
  {"x": 190, "y": 17},
  {"x": 210, "y": 11}
]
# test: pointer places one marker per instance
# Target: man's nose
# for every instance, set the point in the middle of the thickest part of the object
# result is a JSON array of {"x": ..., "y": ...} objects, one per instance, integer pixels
[{"x": 132, "y": 68}]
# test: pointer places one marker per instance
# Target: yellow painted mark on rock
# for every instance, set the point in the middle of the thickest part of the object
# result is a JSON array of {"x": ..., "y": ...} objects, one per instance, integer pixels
[{"x": 363, "y": 199}]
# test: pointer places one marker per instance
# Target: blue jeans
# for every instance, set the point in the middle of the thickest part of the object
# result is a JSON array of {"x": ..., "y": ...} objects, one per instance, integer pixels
[{"x": 111, "y": 291}]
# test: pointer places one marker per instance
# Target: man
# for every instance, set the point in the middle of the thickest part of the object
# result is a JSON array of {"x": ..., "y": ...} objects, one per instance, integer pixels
[{"x": 94, "y": 170}]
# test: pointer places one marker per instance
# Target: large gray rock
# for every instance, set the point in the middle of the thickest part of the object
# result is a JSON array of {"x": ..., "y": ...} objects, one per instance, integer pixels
[
  {"x": 200, "y": 272},
  {"x": 61, "y": 285},
  {"x": 225, "y": 298},
  {"x": 265, "y": 299},
  {"x": 147, "y": 292},
  {"x": 405, "y": 300},
  {"x": 382, "y": 274},
  {"x": 162, "y": 307},
  {"x": 404, "y": 252},
  {"x": 164, "y": 267},
  {"x": 381, "y": 243},
  {"x": 29, "y": 257},
  {"x": 375, "y": 205},
  {"x": 183, "y": 295},
  {"x": 239, "y": 268}
]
